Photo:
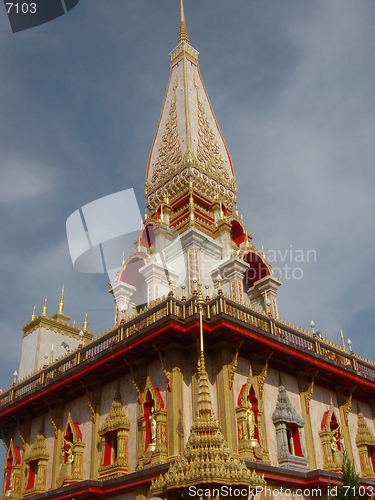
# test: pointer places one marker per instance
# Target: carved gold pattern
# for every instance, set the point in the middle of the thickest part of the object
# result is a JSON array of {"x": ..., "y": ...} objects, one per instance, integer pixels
[
  {"x": 332, "y": 457},
  {"x": 116, "y": 422},
  {"x": 206, "y": 455},
  {"x": 364, "y": 439},
  {"x": 208, "y": 153},
  {"x": 13, "y": 454},
  {"x": 71, "y": 470},
  {"x": 24, "y": 431},
  {"x": 135, "y": 383},
  {"x": 247, "y": 449},
  {"x": 170, "y": 155},
  {"x": 232, "y": 367},
  {"x": 345, "y": 402},
  {"x": 54, "y": 416},
  {"x": 159, "y": 453},
  {"x": 165, "y": 366},
  {"x": 306, "y": 387},
  {"x": 89, "y": 401},
  {"x": 39, "y": 455}
]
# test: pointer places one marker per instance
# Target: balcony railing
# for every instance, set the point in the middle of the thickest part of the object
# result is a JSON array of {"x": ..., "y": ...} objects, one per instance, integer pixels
[{"x": 182, "y": 309}]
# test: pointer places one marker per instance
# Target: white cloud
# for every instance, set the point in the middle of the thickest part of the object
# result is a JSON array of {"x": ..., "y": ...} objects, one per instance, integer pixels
[{"x": 23, "y": 180}]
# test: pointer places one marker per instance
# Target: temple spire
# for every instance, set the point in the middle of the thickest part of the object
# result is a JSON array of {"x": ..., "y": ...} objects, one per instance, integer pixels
[
  {"x": 182, "y": 33},
  {"x": 61, "y": 303},
  {"x": 204, "y": 400}
]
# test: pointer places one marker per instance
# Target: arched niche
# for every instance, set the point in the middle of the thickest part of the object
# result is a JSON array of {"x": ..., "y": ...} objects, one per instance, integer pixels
[
  {"x": 36, "y": 465},
  {"x": 11, "y": 483},
  {"x": 114, "y": 435},
  {"x": 330, "y": 436},
  {"x": 152, "y": 427},
  {"x": 365, "y": 442},
  {"x": 258, "y": 269},
  {"x": 251, "y": 426},
  {"x": 288, "y": 425},
  {"x": 72, "y": 447}
]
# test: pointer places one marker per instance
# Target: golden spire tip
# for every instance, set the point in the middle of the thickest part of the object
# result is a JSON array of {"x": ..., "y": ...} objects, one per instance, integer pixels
[
  {"x": 183, "y": 34},
  {"x": 85, "y": 324},
  {"x": 61, "y": 303},
  {"x": 32, "y": 317},
  {"x": 44, "y": 308}
]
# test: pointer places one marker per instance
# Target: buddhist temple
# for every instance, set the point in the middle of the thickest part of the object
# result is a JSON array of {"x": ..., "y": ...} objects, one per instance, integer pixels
[{"x": 200, "y": 389}]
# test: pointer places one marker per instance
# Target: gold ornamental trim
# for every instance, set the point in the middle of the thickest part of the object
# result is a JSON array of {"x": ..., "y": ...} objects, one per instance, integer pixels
[
  {"x": 116, "y": 418},
  {"x": 39, "y": 449}
]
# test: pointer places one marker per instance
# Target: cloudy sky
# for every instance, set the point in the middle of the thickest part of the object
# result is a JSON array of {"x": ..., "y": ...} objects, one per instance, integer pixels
[{"x": 292, "y": 87}]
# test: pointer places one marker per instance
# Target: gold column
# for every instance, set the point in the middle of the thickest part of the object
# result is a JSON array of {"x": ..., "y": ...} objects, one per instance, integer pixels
[
  {"x": 26, "y": 443},
  {"x": 306, "y": 387},
  {"x": 56, "y": 418},
  {"x": 224, "y": 363},
  {"x": 175, "y": 403},
  {"x": 96, "y": 404},
  {"x": 345, "y": 402}
]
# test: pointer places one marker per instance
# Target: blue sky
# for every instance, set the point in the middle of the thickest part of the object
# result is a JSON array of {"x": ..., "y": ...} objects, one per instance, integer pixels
[{"x": 292, "y": 87}]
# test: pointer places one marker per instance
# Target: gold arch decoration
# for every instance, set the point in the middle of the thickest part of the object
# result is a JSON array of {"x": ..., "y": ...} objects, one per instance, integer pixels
[
  {"x": 365, "y": 442},
  {"x": 331, "y": 439},
  {"x": 157, "y": 453},
  {"x": 114, "y": 434},
  {"x": 72, "y": 452},
  {"x": 12, "y": 475},
  {"x": 252, "y": 447},
  {"x": 36, "y": 465}
]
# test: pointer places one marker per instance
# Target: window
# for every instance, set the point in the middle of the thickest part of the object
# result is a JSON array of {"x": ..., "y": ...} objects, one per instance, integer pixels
[
  {"x": 114, "y": 440},
  {"x": 288, "y": 425}
]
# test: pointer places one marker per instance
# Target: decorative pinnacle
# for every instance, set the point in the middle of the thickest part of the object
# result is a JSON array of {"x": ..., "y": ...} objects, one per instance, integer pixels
[
  {"x": 32, "y": 317},
  {"x": 44, "y": 308},
  {"x": 123, "y": 259},
  {"x": 191, "y": 203},
  {"x": 204, "y": 400},
  {"x": 61, "y": 303},
  {"x": 342, "y": 340},
  {"x": 85, "y": 324},
  {"x": 182, "y": 33}
]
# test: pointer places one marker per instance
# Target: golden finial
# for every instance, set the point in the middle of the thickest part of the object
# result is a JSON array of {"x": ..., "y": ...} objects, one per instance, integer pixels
[
  {"x": 61, "y": 303},
  {"x": 263, "y": 254},
  {"x": 146, "y": 215},
  {"x": 32, "y": 317},
  {"x": 191, "y": 202},
  {"x": 85, "y": 324},
  {"x": 236, "y": 211},
  {"x": 342, "y": 340},
  {"x": 182, "y": 33},
  {"x": 44, "y": 308},
  {"x": 51, "y": 355},
  {"x": 123, "y": 259},
  {"x": 247, "y": 242},
  {"x": 204, "y": 400}
]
